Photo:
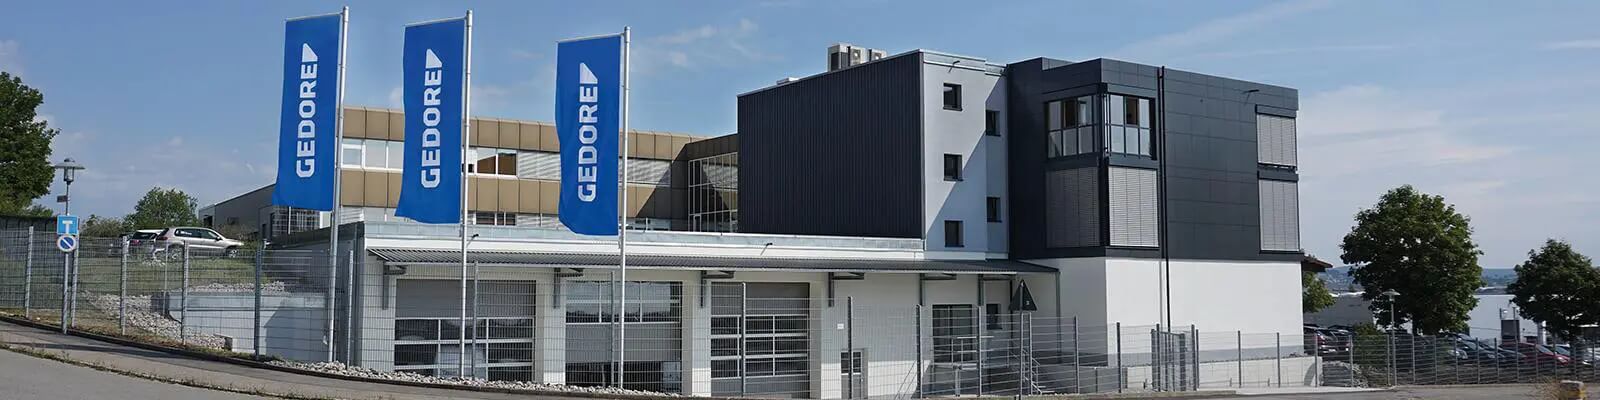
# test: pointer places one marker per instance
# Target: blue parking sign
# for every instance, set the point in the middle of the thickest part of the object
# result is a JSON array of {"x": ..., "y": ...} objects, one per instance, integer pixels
[{"x": 66, "y": 225}]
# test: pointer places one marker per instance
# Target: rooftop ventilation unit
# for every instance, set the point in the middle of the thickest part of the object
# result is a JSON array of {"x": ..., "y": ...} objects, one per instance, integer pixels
[{"x": 845, "y": 55}]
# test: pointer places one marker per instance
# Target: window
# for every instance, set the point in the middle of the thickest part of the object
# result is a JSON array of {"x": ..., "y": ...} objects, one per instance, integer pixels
[
  {"x": 991, "y": 122},
  {"x": 1133, "y": 209},
  {"x": 1280, "y": 215},
  {"x": 494, "y": 218},
  {"x": 952, "y": 167},
  {"x": 955, "y": 332},
  {"x": 350, "y": 153},
  {"x": 991, "y": 317},
  {"x": 1128, "y": 128},
  {"x": 994, "y": 209},
  {"x": 1275, "y": 140},
  {"x": 952, "y": 96},
  {"x": 952, "y": 234},
  {"x": 377, "y": 153},
  {"x": 1071, "y": 127},
  {"x": 490, "y": 161}
]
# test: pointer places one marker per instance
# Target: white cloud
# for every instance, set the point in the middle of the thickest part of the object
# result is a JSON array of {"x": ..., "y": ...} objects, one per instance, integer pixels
[
  {"x": 705, "y": 45},
  {"x": 1517, "y": 177},
  {"x": 1583, "y": 44},
  {"x": 689, "y": 35},
  {"x": 1220, "y": 29},
  {"x": 11, "y": 57}
]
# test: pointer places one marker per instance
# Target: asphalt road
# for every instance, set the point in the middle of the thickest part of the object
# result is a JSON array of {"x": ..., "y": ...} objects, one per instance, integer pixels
[{"x": 25, "y": 377}]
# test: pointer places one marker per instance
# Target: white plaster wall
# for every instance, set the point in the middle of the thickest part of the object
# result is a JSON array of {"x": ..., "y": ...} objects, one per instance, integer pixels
[
  {"x": 957, "y": 132},
  {"x": 1249, "y": 296}
]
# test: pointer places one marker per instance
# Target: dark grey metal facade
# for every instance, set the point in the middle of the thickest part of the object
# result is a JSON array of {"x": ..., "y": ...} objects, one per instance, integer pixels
[
  {"x": 1208, "y": 149},
  {"x": 834, "y": 154}
]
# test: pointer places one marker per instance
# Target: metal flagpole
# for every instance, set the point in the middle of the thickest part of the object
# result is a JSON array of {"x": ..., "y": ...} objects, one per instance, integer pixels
[
  {"x": 466, "y": 137},
  {"x": 622, "y": 214},
  {"x": 338, "y": 137}
]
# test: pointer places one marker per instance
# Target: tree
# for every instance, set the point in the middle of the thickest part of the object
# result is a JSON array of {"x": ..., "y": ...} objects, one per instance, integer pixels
[
  {"x": 1416, "y": 244},
  {"x": 1314, "y": 295},
  {"x": 163, "y": 208},
  {"x": 98, "y": 226},
  {"x": 1559, "y": 288},
  {"x": 25, "y": 170}
]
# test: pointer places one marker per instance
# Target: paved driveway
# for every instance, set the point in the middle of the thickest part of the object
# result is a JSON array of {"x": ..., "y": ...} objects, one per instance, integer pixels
[{"x": 25, "y": 377}]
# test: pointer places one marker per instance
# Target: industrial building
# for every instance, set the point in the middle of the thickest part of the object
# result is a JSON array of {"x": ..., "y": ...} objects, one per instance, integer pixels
[{"x": 924, "y": 189}]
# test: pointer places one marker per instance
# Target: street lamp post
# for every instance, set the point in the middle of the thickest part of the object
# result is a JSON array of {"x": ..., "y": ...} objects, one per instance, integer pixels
[
  {"x": 69, "y": 170},
  {"x": 1393, "y": 375},
  {"x": 69, "y": 276}
]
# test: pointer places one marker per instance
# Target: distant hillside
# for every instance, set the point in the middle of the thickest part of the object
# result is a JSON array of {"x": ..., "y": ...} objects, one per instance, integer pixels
[{"x": 1338, "y": 278}]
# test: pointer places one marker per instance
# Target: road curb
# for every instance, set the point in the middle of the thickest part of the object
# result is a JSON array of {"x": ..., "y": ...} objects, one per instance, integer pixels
[{"x": 262, "y": 365}]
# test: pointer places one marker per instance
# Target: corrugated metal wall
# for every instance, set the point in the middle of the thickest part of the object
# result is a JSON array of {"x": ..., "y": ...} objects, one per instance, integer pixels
[{"x": 834, "y": 154}]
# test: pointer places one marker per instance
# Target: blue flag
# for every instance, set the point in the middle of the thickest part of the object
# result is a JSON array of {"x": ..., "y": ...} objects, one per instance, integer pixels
[
  {"x": 308, "y": 123},
  {"x": 588, "y": 94},
  {"x": 434, "y": 90}
]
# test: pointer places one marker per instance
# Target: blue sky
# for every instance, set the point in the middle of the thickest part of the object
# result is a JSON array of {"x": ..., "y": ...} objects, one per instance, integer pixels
[{"x": 1488, "y": 103}]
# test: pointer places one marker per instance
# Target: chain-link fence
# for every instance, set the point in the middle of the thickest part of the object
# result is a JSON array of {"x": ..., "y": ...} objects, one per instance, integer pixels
[{"x": 773, "y": 335}]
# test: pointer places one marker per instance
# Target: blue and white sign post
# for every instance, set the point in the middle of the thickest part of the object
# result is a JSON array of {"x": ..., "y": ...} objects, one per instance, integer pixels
[
  {"x": 67, "y": 242},
  {"x": 437, "y": 62},
  {"x": 591, "y": 122},
  {"x": 311, "y": 125}
]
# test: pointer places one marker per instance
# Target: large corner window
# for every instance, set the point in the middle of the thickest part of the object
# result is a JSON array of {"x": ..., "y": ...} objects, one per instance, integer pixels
[
  {"x": 1128, "y": 125},
  {"x": 952, "y": 97},
  {"x": 1071, "y": 126}
]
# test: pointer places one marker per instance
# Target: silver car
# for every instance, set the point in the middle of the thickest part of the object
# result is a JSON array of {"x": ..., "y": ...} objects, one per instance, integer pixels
[{"x": 172, "y": 241}]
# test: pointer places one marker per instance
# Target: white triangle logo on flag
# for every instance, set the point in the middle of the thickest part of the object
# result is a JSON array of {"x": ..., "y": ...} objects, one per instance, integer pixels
[
  {"x": 433, "y": 61},
  {"x": 585, "y": 76},
  {"x": 306, "y": 55}
]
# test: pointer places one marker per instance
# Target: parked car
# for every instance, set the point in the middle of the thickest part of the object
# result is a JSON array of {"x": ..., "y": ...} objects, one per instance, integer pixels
[
  {"x": 172, "y": 241},
  {"x": 142, "y": 237},
  {"x": 1539, "y": 354}
]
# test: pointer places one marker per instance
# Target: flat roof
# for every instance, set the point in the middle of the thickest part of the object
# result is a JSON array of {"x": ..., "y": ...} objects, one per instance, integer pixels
[{"x": 407, "y": 256}]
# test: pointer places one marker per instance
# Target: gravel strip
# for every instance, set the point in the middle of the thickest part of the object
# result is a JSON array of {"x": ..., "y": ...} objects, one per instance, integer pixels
[
  {"x": 360, "y": 372},
  {"x": 141, "y": 315}
]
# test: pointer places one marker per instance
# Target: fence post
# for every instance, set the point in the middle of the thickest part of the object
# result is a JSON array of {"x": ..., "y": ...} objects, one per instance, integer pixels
[
  {"x": 333, "y": 286},
  {"x": 1394, "y": 372},
  {"x": 850, "y": 347},
  {"x": 73, "y": 311},
  {"x": 27, "y": 277},
  {"x": 920, "y": 364},
  {"x": 1413, "y": 356},
  {"x": 255, "y": 334},
  {"x": 1022, "y": 353},
  {"x": 1120, "y": 373},
  {"x": 1316, "y": 359},
  {"x": 977, "y": 332},
  {"x": 66, "y": 290},
  {"x": 1157, "y": 353},
  {"x": 350, "y": 311},
  {"x": 122, "y": 290},
  {"x": 1077, "y": 357},
  {"x": 1352, "y": 356},
  {"x": 183, "y": 305},
  {"x": 1277, "y": 350},
  {"x": 1238, "y": 354},
  {"x": 744, "y": 317}
]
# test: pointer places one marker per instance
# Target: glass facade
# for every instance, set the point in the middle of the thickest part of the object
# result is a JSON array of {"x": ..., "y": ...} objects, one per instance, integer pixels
[
  {"x": 714, "y": 193},
  {"x": 1123, "y": 127}
]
